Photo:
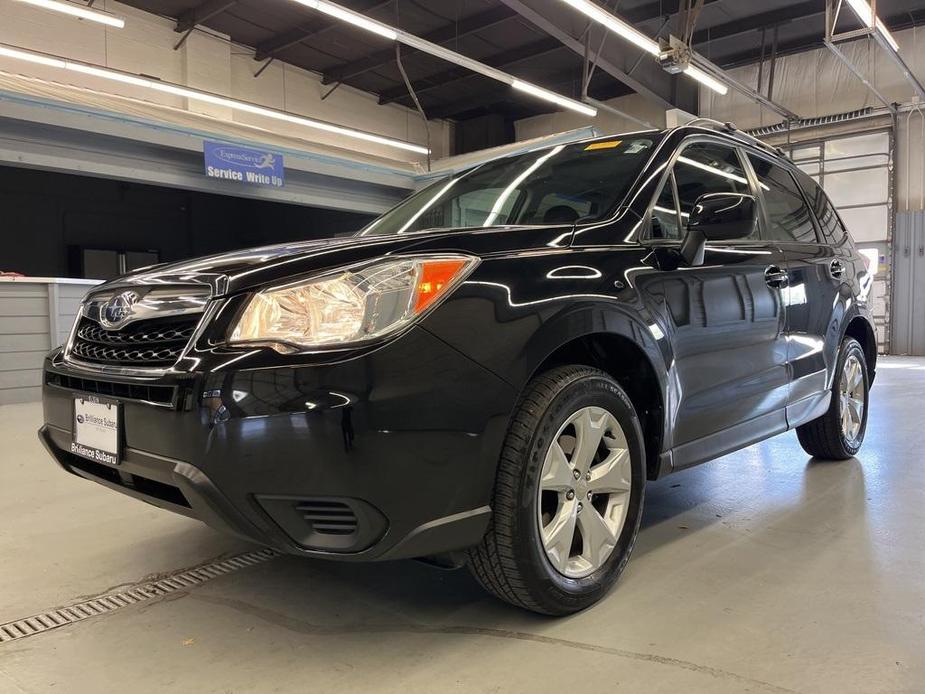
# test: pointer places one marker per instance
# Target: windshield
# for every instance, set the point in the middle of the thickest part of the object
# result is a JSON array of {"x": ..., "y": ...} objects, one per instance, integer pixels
[{"x": 562, "y": 185}]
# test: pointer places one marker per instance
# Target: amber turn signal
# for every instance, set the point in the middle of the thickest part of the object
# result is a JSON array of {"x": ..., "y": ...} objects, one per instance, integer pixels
[{"x": 436, "y": 276}]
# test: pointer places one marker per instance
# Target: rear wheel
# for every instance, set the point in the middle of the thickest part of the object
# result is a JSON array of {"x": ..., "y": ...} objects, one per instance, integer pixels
[
  {"x": 568, "y": 495},
  {"x": 839, "y": 433}
]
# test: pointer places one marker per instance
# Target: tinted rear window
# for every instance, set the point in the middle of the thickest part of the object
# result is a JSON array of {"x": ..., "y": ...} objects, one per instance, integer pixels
[
  {"x": 788, "y": 214},
  {"x": 832, "y": 228}
]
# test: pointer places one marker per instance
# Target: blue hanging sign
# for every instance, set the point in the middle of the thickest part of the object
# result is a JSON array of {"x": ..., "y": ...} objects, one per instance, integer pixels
[{"x": 243, "y": 164}]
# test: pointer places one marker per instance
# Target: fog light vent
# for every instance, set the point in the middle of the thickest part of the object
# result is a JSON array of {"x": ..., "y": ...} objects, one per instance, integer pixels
[
  {"x": 326, "y": 523},
  {"x": 328, "y": 517}
]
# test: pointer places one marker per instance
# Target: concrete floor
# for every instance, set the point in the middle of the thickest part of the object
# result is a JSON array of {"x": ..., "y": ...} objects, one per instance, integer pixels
[{"x": 760, "y": 572}]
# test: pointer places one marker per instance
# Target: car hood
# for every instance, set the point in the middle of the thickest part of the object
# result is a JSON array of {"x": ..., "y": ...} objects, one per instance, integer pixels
[{"x": 229, "y": 273}]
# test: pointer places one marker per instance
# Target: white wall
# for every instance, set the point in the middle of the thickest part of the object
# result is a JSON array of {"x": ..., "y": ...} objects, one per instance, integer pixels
[
  {"x": 816, "y": 83},
  {"x": 207, "y": 62}
]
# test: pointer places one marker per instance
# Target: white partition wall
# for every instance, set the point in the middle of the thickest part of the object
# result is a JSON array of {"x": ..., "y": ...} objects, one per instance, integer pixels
[{"x": 36, "y": 315}]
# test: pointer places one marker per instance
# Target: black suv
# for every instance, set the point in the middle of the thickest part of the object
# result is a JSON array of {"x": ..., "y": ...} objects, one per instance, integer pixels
[{"x": 489, "y": 372}]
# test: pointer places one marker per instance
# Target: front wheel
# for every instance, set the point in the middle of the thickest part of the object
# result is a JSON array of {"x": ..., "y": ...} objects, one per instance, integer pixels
[
  {"x": 568, "y": 494},
  {"x": 839, "y": 433}
]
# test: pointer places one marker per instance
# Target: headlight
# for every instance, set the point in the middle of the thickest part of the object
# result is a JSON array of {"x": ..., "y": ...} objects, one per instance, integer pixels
[{"x": 349, "y": 306}]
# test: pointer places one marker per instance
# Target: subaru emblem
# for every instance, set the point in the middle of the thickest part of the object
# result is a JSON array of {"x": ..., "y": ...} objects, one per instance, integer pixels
[{"x": 119, "y": 309}]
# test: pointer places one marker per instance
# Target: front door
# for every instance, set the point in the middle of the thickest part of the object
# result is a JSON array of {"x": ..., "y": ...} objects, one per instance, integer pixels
[{"x": 725, "y": 319}]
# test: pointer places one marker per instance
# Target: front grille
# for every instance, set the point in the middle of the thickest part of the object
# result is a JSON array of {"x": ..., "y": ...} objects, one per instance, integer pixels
[
  {"x": 138, "y": 333},
  {"x": 147, "y": 343},
  {"x": 328, "y": 517},
  {"x": 162, "y": 395}
]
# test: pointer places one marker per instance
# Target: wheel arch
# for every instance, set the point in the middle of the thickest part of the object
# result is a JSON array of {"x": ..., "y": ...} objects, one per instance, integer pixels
[
  {"x": 636, "y": 367},
  {"x": 861, "y": 330}
]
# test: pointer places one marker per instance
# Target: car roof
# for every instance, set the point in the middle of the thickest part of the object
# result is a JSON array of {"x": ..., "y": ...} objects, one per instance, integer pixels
[{"x": 708, "y": 125}]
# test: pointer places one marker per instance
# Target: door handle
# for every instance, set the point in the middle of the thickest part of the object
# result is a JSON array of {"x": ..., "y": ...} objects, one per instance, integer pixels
[
  {"x": 776, "y": 278},
  {"x": 837, "y": 269}
]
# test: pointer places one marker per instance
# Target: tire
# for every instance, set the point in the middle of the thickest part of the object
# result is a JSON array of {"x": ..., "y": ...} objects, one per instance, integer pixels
[
  {"x": 826, "y": 437},
  {"x": 512, "y": 562}
]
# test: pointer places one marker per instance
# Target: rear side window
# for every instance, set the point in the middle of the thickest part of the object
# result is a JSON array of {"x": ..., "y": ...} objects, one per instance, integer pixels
[
  {"x": 832, "y": 228},
  {"x": 789, "y": 217}
]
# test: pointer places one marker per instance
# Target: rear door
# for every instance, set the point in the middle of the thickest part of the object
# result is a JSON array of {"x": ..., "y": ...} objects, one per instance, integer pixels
[
  {"x": 725, "y": 318},
  {"x": 816, "y": 272}
]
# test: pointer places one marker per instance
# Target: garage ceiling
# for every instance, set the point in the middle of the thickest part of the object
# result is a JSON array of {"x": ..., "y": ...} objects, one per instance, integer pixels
[{"x": 729, "y": 32}]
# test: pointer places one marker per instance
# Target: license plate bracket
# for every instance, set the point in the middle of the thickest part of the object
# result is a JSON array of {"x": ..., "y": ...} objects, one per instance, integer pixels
[{"x": 97, "y": 429}]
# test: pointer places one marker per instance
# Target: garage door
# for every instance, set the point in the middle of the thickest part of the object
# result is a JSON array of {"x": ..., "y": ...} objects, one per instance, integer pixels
[{"x": 857, "y": 173}]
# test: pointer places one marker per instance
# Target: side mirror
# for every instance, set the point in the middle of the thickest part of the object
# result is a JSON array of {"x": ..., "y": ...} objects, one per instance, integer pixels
[{"x": 718, "y": 217}]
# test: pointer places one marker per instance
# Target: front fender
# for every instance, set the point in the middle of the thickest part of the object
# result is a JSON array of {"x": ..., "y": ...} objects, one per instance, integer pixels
[
  {"x": 513, "y": 312},
  {"x": 512, "y": 326}
]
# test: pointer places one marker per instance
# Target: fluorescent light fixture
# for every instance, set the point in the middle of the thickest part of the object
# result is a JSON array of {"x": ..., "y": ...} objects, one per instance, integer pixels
[
  {"x": 205, "y": 97},
  {"x": 79, "y": 11},
  {"x": 197, "y": 95},
  {"x": 31, "y": 57},
  {"x": 351, "y": 17},
  {"x": 358, "y": 20},
  {"x": 866, "y": 15},
  {"x": 553, "y": 97},
  {"x": 108, "y": 74},
  {"x": 615, "y": 24},
  {"x": 706, "y": 79}
]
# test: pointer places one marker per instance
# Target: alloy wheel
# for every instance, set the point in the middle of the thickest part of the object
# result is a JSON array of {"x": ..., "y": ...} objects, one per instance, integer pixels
[
  {"x": 584, "y": 492},
  {"x": 853, "y": 397}
]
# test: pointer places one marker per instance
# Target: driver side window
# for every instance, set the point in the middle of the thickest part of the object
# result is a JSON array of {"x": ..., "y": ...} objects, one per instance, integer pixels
[{"x": 701, "y": 168}]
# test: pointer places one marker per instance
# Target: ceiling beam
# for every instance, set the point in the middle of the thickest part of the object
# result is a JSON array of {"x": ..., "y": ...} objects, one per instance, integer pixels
[
  {"x": 759, "y": 21},
  {"x": 202, "y": 13},
  {"x": 282, "y": 41},
  {"x": 897, "y": 22},
  {"x": 500, "y": 60},
  {"x": 655, "y": 10},
  {"x": 578, "y": 47},
  {"x": 286, "y": 39},
  {"x": 446, "y": 33}
]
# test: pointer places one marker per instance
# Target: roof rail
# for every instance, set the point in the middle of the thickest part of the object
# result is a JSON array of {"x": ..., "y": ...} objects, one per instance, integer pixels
[{"x": 731, "y": 129}]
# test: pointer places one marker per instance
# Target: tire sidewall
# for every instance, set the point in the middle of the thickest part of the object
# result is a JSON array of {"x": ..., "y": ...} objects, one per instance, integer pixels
[{"x": 587, "y": 390}]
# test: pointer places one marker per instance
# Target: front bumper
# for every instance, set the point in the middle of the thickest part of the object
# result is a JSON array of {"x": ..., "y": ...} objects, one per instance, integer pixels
[{"x": 389, "y": 454}]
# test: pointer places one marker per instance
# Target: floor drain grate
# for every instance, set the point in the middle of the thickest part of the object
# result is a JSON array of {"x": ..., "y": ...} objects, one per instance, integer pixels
[{"x": 183, "y": 580}]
